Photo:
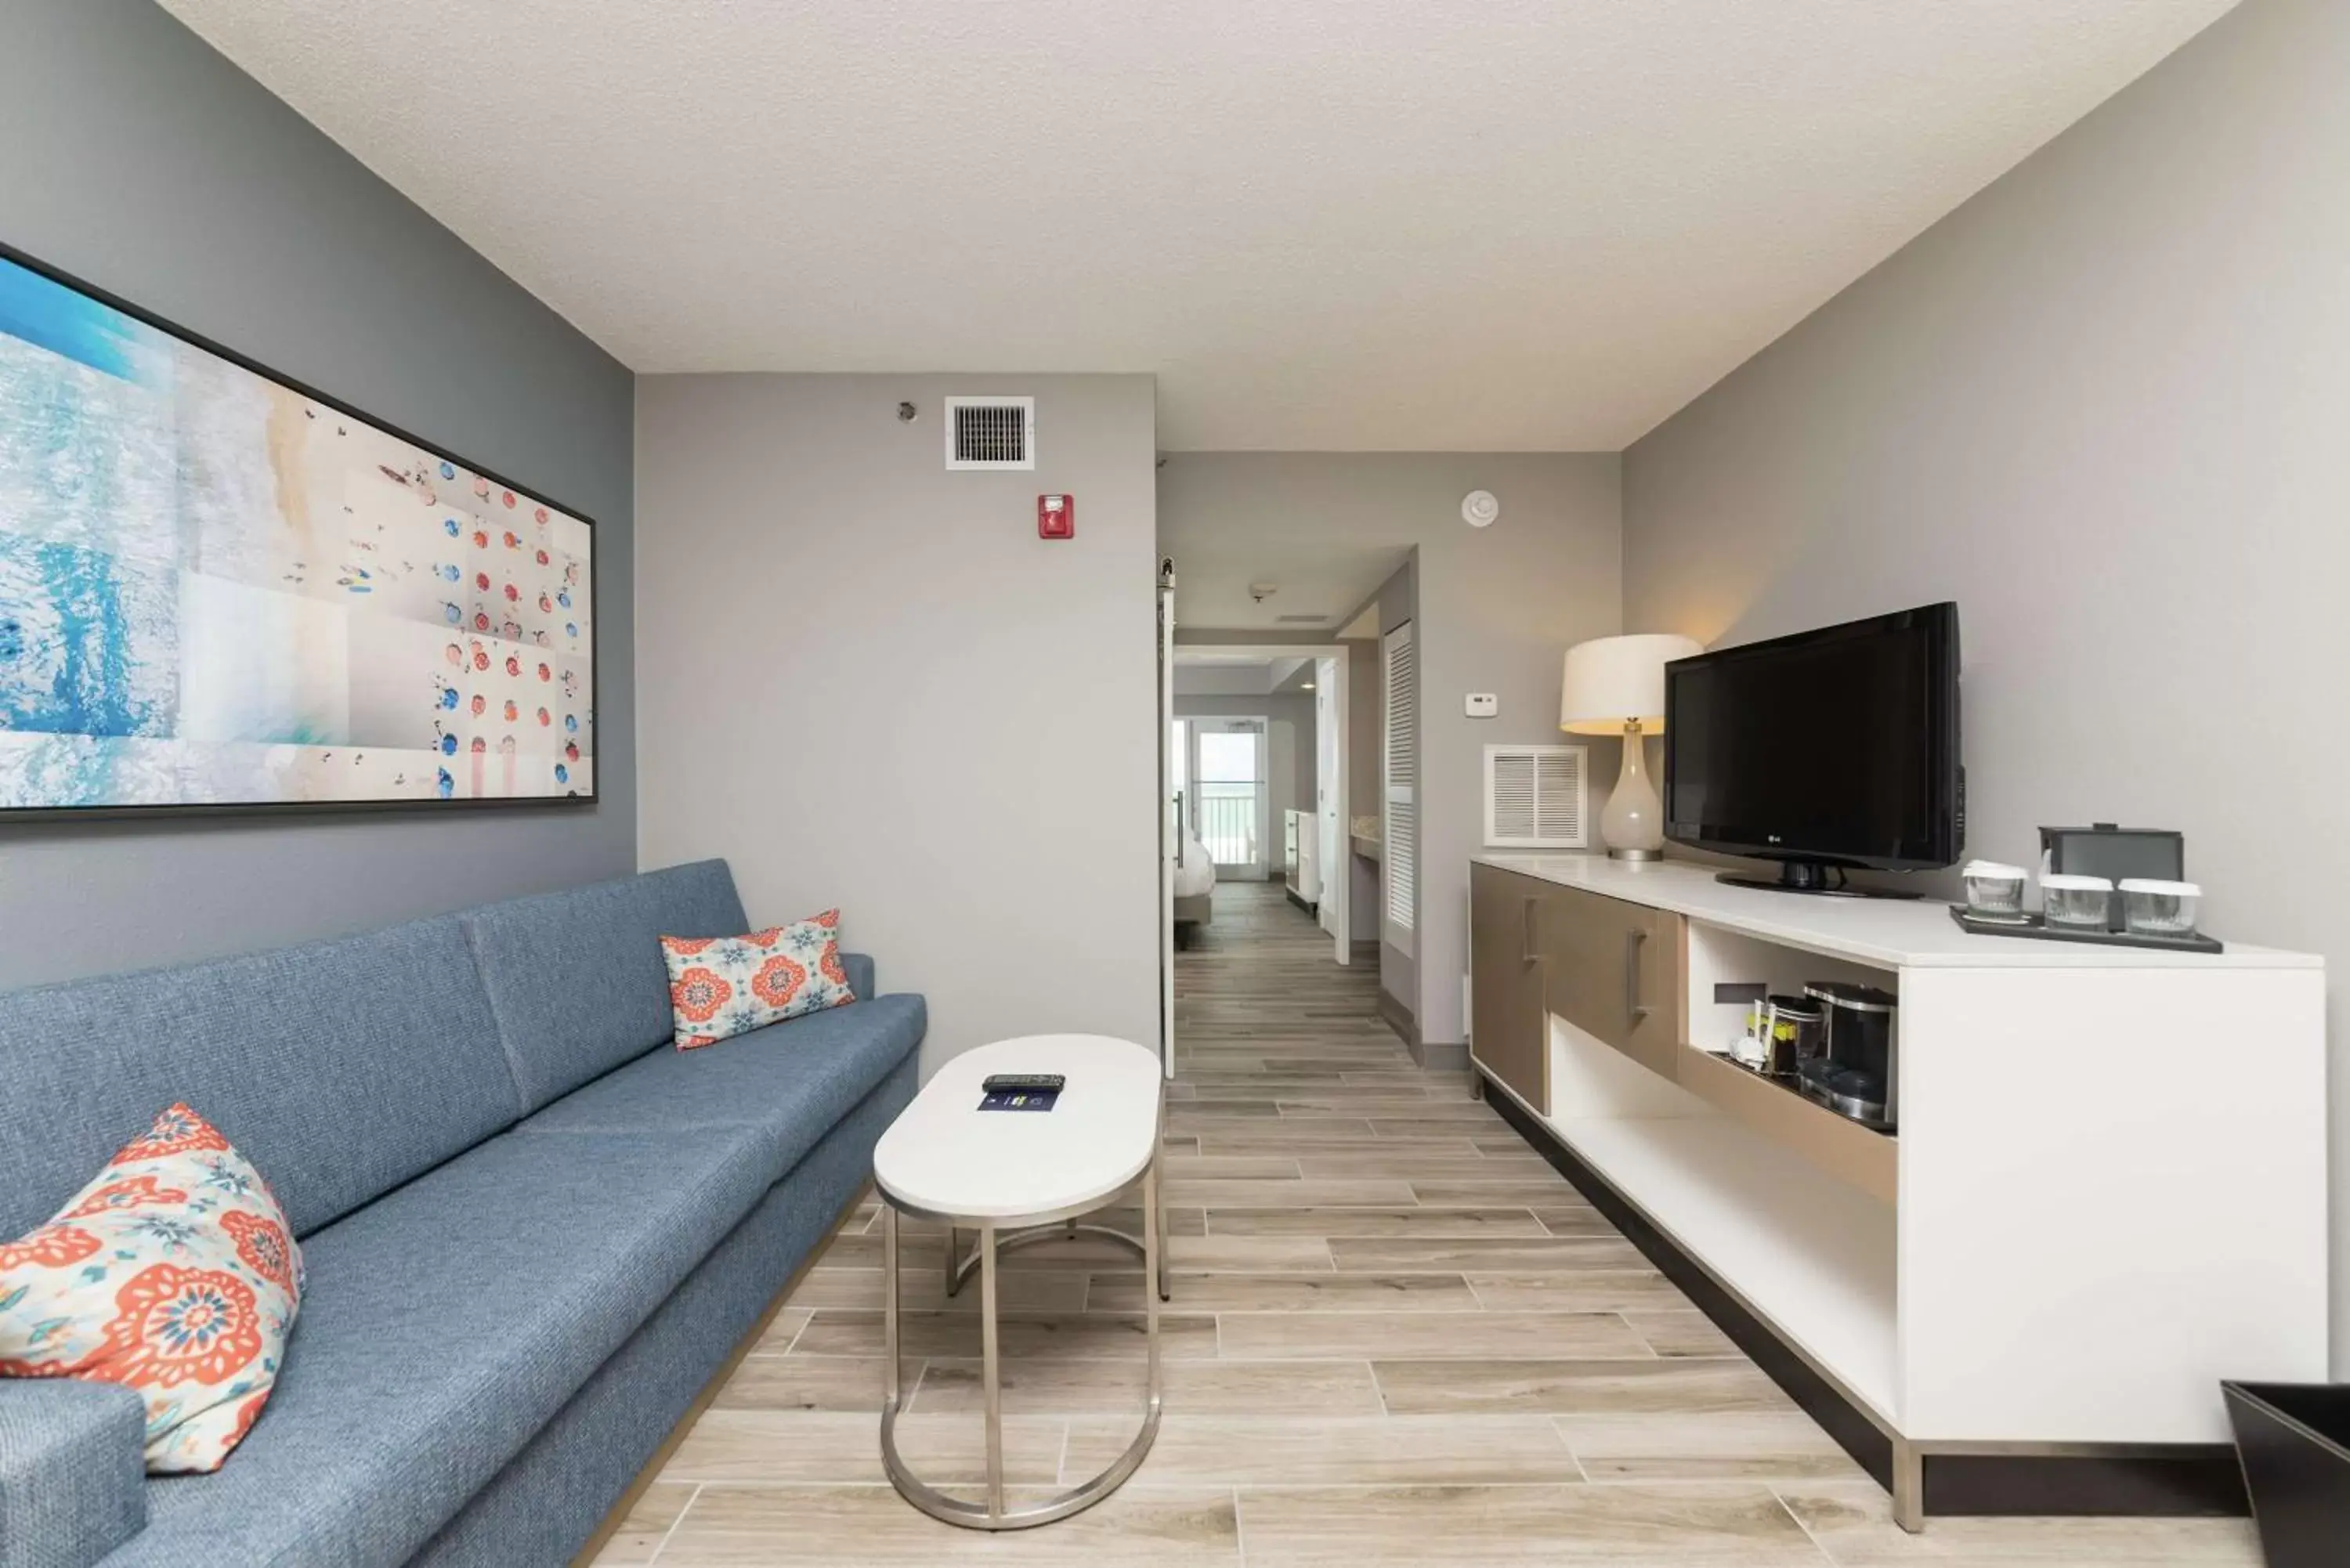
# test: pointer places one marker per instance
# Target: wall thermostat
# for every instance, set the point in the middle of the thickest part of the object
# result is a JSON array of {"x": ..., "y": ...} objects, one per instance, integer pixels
[{"x": 1482, "y": 704}]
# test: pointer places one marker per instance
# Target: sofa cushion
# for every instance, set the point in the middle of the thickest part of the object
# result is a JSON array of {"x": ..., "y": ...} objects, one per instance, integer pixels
[
  {"x": 790, "y": 1080},
  {"x": 576, "y": 977},
  {"x": 445, "y": 1326},
  {"x": 341, "y": 1068}
]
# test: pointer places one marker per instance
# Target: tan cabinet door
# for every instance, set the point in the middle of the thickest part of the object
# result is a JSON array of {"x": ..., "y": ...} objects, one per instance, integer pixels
[
  {"x": 1613, "y": 971},
  {"x": 1509, "y": 1032}
]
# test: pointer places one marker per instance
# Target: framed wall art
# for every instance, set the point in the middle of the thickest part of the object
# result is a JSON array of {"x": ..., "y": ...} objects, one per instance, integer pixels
[{"x": 222, "y": 590}]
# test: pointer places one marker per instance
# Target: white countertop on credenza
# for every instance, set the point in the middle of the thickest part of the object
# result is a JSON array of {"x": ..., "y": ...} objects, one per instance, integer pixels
[{"x": 1884, "y": 934}]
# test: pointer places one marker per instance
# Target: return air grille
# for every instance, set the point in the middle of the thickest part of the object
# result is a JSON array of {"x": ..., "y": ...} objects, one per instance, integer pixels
[
  {"x": 1535, "y": 797},
  {"x": 990, "y": 432}
]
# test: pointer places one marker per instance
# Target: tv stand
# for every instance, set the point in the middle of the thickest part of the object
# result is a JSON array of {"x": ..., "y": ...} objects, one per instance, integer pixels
[
  {"x": 1964, "y": 1305},
  {"x": 1818, "y": 876}
]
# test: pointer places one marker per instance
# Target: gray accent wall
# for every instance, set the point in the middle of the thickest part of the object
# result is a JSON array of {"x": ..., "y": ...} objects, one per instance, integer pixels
[
  {"x": 133, "y": 156},
  {"x": 2105, "y": 407},
  {"x": 830, "y": 617},
  {"x": 1494, "y": 608}
]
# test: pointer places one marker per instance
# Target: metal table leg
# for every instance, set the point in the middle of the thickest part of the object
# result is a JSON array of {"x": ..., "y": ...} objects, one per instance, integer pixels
[{"x": 993, "y": 1514}]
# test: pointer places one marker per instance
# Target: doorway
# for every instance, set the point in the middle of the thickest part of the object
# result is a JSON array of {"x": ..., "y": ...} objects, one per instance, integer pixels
[{"x": 1226, "y": 789}]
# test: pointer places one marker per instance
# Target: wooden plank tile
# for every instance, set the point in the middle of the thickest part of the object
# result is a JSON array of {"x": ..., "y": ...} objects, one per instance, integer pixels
[
  {"x": 1525, "y": 1187},
  {"x": 1197, "y": 1387},
  {"x": 1620, "y": 1526},
  {"x": 1481, "y": 1254},
  {"x": 647, "y": 1524},
  {"x": 1681, "y": 1332},
  {"x": 785, "y": 1328},
  {"x": 1117, "y": 1336},
  {"x": 1353, "y": 1192},
  {"x": 1417, "y": 1109},
  {"x": 842, "y": 1447},
  {"x": 1255, "y": 1135},
  {"x": 810, "y": 1383},
  {"x": 1529, "y": 1385},
  {"x": 1719, "y": 1444},
  {"x": 1389, "y": 1335},
  {"x": 1388, "y": 1222},
  {"x": 924, "y": 1290},
  {"x": 1281, "y": 1450},
  {"x": 1299, "y": 1292},
  {"x": 1401, "y": 1161},
  {"x": 870, "y": 1526},
  {"x": 1229, "y": 1167},
  {"x": 1313, "y": 1145},
  {"x": 1579, "y": 1289},
  {"x": 1853, "y": 1523}
]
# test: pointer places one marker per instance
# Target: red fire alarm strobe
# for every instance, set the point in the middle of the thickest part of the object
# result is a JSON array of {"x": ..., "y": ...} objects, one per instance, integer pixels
[{"x": 1056, "y": 516}]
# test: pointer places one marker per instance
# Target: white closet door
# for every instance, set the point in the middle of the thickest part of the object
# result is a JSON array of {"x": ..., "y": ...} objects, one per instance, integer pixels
[{"x": 1401, "y": 728}]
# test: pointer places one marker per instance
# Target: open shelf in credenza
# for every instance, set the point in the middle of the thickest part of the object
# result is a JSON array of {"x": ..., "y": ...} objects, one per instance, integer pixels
[{"x": 1842, "y": 1148}]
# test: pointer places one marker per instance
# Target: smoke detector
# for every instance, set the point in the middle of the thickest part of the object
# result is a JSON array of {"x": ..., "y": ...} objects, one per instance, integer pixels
[
  {"x": 1260, "y": 592},
  {"x": 1479, "y": 509}
]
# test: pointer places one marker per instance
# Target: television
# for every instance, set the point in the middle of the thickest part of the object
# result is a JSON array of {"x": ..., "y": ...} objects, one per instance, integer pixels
[{"x": 1824, "y": 751}]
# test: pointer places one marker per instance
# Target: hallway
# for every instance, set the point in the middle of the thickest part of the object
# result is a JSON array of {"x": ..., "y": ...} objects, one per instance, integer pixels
[{"x": 1397, "y": 1337}]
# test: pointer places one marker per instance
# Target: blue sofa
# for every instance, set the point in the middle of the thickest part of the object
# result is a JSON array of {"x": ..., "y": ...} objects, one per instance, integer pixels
[{"x": 533, "y": 1229}]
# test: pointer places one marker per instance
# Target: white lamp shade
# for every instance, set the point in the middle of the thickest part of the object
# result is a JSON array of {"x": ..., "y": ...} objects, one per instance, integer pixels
[{"x": 1611, "y": 681}]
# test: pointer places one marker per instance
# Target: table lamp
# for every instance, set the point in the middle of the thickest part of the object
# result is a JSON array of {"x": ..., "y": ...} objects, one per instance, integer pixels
[{"x": 1615, "y": 686}]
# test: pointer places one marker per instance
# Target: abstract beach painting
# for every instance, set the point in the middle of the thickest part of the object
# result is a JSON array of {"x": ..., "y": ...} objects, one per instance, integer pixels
[{"x": 218, "y": 591}]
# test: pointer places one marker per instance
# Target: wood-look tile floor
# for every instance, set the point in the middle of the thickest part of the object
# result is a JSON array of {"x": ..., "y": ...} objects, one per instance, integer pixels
[{"x": 1397, "y": 1337}]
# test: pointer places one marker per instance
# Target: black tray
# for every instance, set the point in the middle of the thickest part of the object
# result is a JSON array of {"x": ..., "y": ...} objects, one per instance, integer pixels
[{"x": 2031, "y": 927}]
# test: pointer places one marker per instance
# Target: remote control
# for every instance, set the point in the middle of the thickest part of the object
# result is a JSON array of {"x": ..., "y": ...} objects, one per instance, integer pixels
[{"x": 1023, "y": 1082}]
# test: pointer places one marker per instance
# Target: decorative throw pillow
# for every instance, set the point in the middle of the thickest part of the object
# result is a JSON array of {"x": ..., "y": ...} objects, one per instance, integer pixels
[
  {"x": 723, "y": 986},
  {"x": 174, "y": 1272}
]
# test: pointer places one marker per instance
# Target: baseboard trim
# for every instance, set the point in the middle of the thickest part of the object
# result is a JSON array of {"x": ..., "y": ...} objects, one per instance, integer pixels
[
  {"x": 2095, "y": 1481},
  {"x": 1398, "y": 1018},
  {"x": 1439, "y": 1056},
  {"x": 619, "y": 1513}
]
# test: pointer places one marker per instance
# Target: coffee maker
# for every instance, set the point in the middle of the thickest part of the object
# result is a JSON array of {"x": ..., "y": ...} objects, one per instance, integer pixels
[{"x": 1857, "y": 1075}]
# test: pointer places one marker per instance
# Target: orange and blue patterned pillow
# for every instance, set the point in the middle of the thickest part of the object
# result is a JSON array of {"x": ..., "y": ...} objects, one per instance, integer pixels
[
  {"x": 723, "y": 986},
  {"x": 173, "y": 1273}
]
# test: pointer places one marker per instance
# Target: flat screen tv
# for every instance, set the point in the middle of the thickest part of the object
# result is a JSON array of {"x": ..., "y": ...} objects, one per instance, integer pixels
[
  {"x": 1827, "y": 750},
  {"x": 222, "y": 590}
]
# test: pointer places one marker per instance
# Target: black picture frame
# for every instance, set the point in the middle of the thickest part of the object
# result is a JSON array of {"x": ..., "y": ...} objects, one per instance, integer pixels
[{"x": 588, "y": 799}]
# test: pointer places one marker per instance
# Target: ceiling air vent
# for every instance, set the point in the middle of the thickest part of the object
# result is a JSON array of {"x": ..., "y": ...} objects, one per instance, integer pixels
[
  {"x": 990, "y": 432},
  {"x": 1299, "y": 620},
  {"x": 1535, "y": 797}
]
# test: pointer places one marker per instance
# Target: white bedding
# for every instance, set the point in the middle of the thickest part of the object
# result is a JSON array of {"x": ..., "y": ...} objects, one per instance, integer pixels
[{"x": 1194, "y": 874}]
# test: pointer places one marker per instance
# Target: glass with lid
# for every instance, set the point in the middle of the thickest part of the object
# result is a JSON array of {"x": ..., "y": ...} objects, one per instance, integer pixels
[{"x": 2073, "y": 903}]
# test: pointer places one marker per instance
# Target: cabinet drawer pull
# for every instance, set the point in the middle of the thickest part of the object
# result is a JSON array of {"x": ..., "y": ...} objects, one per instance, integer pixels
[
  {"x": 1526, "y": 953},
  {"x": 1634, "y": 941}
]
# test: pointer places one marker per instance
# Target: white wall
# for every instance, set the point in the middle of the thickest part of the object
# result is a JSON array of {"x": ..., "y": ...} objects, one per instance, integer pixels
[
  {"x": 1496, "y": 609},
  {"x": 824, "y": 611},
  {"x": 2105, "y": 405}
]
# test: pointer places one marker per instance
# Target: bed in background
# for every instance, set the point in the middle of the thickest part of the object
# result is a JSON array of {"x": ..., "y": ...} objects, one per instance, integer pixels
[{"x": 1195, "y": 889}]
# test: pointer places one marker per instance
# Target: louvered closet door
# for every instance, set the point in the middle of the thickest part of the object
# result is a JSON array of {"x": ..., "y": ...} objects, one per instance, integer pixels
[{"x": 1401, "y": 829}]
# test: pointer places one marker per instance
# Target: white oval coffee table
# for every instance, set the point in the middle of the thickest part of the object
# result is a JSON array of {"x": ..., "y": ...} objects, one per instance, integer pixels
[{"x": 1018, "y": 1176}]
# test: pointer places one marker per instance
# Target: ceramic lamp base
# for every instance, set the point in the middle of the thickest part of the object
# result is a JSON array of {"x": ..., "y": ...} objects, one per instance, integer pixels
[{"x": 1632, "y": 824}]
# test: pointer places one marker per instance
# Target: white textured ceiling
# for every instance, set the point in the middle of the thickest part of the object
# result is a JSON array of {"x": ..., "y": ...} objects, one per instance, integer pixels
[{"x": 1326, "y": 224}]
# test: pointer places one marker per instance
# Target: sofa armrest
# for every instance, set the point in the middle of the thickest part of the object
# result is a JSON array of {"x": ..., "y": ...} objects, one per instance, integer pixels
[
  {"x": 73, "y": 1477},
  {"x": 860, "y": 974}
]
